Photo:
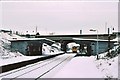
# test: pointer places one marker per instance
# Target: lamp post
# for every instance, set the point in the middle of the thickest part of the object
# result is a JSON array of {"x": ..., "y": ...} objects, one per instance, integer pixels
[{"x": 95, "y": 30}]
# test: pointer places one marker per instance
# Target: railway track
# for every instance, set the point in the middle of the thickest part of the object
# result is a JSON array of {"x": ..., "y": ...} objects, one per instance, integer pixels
[{"x": 39, "y": 69}]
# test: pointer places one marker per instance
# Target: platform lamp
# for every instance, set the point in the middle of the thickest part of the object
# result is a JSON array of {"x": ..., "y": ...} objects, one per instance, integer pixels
[{"x": 95, "y": 30}]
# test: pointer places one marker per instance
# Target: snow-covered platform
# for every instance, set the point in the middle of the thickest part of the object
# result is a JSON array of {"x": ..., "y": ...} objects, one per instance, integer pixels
[
  {"x": 17, "y": 59},
  {"x": 14, "y": 63},
  {"x": 87, "y": 67},
  {"x": 41, "y": 69}
]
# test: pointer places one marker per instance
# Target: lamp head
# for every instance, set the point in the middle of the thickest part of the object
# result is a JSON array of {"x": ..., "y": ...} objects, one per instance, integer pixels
[{"x": 92, "y": 30}]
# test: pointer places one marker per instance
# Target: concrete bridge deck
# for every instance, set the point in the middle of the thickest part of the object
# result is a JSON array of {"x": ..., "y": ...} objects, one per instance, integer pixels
[{"x": 69, "y": 37}]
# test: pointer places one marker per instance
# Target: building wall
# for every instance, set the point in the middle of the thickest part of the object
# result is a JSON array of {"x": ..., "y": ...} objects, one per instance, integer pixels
[
  {"x": 19, "y": 46},
  {"x": 34, "y": 48},
  {"x": 27, "y": 47},
  {"x": 102, "y": 47}
]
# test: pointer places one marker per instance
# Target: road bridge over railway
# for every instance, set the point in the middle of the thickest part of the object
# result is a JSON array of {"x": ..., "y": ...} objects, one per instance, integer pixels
[
  {"x": 83, "y": 40},
  {"x": 69, "y": 37}
]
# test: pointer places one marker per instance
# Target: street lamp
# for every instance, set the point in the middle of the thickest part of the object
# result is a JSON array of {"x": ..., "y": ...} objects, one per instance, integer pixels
[{"x": 95, "y": 30}]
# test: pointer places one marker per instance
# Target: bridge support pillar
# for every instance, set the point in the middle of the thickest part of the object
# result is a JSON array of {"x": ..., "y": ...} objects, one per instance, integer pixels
[
  {"x": 64, "y": 45},
  {"x": 41, "y": 48}
]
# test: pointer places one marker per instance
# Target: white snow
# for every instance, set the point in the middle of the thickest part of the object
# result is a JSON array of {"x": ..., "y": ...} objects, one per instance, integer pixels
[
  {"x": 70, "y": 45},
  {"x": 5, "y": 51},
  {"x": 17, "y": 59},
  {"x": 22, "y": 39},
  {"x": 80, "y": 67},
  {"x": 89, "y": 67},
  {"x": 116, "y": 39},
  {"x": 109, "y": 68},
  {"x": 57, "y": 46},
  {"x": 89, "y": 39},
  {"x": 51, "y": 50}
]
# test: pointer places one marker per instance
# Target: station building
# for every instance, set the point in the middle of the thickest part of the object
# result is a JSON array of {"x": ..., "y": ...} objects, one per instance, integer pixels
[
  {"x": 91, "y": 45},
  {"x": 31, "y": 46}
]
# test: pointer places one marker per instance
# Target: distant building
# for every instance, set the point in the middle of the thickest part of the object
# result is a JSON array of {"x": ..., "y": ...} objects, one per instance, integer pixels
[{"x": 6, "y": 31}]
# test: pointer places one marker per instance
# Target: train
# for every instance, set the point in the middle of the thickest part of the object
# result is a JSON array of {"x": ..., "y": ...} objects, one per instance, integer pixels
[{"x": 75, "y": 48}]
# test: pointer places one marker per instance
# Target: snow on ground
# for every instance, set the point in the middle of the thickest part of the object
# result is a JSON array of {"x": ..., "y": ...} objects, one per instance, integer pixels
[
  {"x": 51, "y": 50},
  {"x": 80, "y": 67},
  {"x": 89, "y": 67},
  {"x": 46, "y": 49},
  {"x": 108, "y": 67},
  {"x": 5, "y": 51},
  {"x": 17, "y": 59}
]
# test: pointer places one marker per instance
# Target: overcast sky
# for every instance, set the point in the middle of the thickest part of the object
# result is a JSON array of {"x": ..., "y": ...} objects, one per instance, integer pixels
[{"x": 62, "y": 17}]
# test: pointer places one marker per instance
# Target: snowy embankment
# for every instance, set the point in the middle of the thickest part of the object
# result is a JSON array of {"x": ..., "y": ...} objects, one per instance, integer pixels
[
  {"x": 108, "y": 67},
  {"x": 51, "y": 50},
  {"x": 5, "y": 51},
  {"x": 89, "y": 67}
]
